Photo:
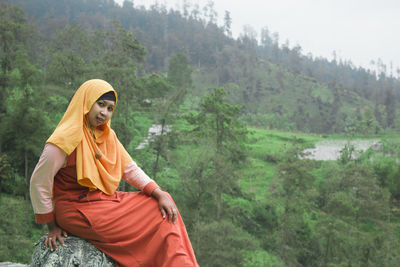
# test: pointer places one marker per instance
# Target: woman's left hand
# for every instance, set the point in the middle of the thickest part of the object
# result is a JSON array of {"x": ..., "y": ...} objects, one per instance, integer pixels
[{"x": 165, "y": 205}]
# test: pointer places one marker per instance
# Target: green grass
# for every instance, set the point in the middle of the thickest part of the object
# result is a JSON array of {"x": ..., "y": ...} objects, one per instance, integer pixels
[
  {"x": 255, "y": 177},
  {"x": 265, "y": 147},
  {"x": 18, "y": 231}
]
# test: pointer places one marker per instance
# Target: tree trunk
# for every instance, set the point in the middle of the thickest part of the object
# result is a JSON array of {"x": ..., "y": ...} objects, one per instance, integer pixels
[
  {"x": 159, "y": 147},
  {"x": 219, "y": 203},
  {"x": 197, "y": 220},
  {"x": 26, "y": 188},
  {"x": 1, "y": 141},
  {"x": 218, "y": 187},
  {"x": 358, "y": 241},
  {"x": 219, "y": 134},
  {"x": 285, "y": 236},
  {"x": 327, "y": 248}
]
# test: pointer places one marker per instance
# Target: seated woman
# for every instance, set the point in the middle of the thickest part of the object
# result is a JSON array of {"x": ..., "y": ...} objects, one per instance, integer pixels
[{"x": 80, "y": 169}]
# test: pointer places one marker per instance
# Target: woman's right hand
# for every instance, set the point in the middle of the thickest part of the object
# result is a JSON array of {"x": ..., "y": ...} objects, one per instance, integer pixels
[
  {"x": 55, "y": 233},
  {"x": 166, "y": 205}
]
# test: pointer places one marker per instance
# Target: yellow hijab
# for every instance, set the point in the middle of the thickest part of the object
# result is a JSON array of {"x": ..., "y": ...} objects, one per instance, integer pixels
[{"x": 100, "y": 157}]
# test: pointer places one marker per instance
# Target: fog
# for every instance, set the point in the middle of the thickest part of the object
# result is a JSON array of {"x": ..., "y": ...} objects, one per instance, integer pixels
[{"x": 357, "y": 30}]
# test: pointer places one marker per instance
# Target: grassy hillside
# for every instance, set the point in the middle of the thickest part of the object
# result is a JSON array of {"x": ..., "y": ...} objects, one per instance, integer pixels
[
  {"x": 18, "y": 231},
  {"x": 273, "y": 97},
  {"x": 246, "y": 196},
  {"x": 279, "y": 87},
  {"x": 260, "y": 208},
  {"x": 266, "y": 148}
]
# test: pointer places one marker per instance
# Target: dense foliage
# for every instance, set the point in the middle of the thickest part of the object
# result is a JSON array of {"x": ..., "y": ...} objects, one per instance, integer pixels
[
  {"x": 247, "y": 195},
  {"x": 280, "y": 87}
]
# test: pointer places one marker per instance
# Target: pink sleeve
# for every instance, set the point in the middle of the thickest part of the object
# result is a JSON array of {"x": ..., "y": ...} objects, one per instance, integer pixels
[
  {"x": 136, "y": 177},
  {"x": 41, "y": 186}
]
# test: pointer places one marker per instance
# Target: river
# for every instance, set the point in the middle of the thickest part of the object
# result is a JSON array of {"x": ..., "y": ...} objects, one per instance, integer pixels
[
  {"x": 324, "y": 150},
  {"x": 330, "y": 149},
  {"x": 154, "y": 130}
]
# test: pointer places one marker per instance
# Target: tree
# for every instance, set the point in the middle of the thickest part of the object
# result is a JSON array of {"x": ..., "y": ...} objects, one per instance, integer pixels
[
  {"x": 210, "y": 13},
  {"x": 223, "y": 244},
  {"x": 71, "y": 54},
  {"x": 179, "y": 76},
  {"x": 209, "y": 167},
  {"x": 227, "y": 23},
  {"x": 10, "y": 181},
  {"x": 26, "y": 126},
  {"x": 201, "y": 171},
  {"x": 14, "y": 35},
  {"x": 295, "y": 242},
  {"x": 218, "y": 121},
  {"x": 390, "y": 107},
  {"x": 369, "y": 123},
  {"x": 351, "y": 201},
  {"x": 119, "y": 60},
  {"x": 179, "y": 72},
  {"x": 196, "y": 170},
  {"x": 266, "y": 41}
]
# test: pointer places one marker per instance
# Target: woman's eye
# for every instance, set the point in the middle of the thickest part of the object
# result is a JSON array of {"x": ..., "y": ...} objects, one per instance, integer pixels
[
  {"x": 110, "y": 108},
  {"x": 101, "y": 104}
]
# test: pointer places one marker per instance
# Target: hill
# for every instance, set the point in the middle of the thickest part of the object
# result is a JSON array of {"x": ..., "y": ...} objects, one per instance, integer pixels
[
  {"x": 246, "y": 196},
  {"x": 278, "y": 86}
]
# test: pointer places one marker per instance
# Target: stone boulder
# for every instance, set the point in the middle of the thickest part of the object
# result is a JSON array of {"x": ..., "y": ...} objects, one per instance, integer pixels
[
  {"x": 76, "y": 252},
  {"x": 12, "y": 264}
]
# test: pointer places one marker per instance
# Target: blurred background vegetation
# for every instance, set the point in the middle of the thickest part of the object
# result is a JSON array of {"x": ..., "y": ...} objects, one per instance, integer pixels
[{"x": 236, "y": 114}]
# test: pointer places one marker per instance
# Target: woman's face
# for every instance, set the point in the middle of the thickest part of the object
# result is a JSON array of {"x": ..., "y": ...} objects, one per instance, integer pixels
[{"x": 100, "y": 112}]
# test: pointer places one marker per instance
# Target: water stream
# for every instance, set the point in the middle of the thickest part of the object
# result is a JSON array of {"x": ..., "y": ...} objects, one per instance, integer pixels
[
  {"x": 324, "y": 150},
  {"x": 154, "y": 131},
  {"x": 330, "y": 149}
]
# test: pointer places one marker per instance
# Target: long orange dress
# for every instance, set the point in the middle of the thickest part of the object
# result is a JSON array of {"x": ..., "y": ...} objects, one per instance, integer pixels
[{"x": 127, "y": 226}]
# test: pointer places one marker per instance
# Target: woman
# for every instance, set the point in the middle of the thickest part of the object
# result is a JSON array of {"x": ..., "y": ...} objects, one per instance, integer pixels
[{"x": 80, "y": 169}]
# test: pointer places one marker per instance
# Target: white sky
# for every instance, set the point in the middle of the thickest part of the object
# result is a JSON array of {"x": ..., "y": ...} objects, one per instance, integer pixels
[{"x": 358, "y": 30}]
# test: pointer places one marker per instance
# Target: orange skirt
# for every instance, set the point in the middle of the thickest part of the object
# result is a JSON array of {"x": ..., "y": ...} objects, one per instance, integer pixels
[{"x": 128, "y": 227}]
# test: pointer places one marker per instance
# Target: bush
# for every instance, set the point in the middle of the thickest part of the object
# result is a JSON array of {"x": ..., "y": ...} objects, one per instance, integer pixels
[
  {"x": 10, "y": 181},
  {"x": 222, "y": 244},
  {"x": 18, "y": 231}
]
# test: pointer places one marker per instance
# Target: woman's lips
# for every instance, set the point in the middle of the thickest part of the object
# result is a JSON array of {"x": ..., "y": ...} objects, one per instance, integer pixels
[{"x": 100, "y": 120}]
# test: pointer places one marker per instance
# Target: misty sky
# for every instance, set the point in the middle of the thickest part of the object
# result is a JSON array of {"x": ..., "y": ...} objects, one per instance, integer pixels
[{"x": 358, "y": 30}]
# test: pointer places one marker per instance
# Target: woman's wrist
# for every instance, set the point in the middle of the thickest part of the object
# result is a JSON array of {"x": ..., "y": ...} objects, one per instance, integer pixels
[
  {"x": 157, "y": 193},
  {"x": 51, "y": 225}
]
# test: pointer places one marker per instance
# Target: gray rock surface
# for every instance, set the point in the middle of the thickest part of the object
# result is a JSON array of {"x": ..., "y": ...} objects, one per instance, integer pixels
[
  {"x": 11, "y": 264},
  {"x": 76, "y": 252}
]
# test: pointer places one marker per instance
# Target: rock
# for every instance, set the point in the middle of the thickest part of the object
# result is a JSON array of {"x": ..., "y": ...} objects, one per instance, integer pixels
[
  {"x": 11, "y": 264},
  {"x": 76, "y": 252},
  {"x": 376, "y": 146}
]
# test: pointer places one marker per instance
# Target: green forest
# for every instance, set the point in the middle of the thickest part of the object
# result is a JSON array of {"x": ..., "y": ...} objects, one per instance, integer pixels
[{"x": 236, "y": 116}]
